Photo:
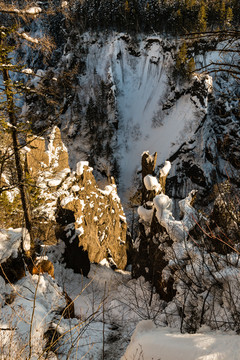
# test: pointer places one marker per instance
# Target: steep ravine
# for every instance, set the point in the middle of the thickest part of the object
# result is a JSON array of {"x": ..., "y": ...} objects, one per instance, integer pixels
[
  {"x": 148, "y": 109},
  {"x": 121, "y": 99}
]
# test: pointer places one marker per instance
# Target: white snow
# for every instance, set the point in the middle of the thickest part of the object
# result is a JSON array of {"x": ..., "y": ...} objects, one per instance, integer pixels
[
  {"x": 29, "y": 38},
  {"x": 24, "y": 306},
  {"x": 111, "y": 190},
  {"x": 26, "y": 239},
  {"x": 68, "y": 199},
  {"x": 54, "y": 182},
  {"x": 80, "y": 231},
  {"x": 10, "y": 241},
  {"x": 75, "y": 188},
  {"x": 149, "y": 342},
  {"x": 151, "y": 183},
  {"x": 58, "y": 178},
  {"x": 166, "y": 168},
  {"x": 34, "y": 10},
  {"x": 145, "y": 214},
  {"x": 177, "y": 230},
  {"x": 80, "y": 166},
  {"x": 27, "y": 71}
]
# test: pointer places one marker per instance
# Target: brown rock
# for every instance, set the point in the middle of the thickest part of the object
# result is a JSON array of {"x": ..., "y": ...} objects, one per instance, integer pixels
[
  {"x": 100, "y": 224},
  {"x": 45, "y": 154},
  {"x": 100, "y": 221},
  {"x": 43, "y": 266}
]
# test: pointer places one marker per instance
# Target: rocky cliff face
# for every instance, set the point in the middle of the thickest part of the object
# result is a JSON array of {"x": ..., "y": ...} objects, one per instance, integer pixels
[
  {"x": 211, "y": 156},
  {"x": 100, "y": 222},
  {"x": 72, "y": 207},
  {"x": 125, "y": 90},
  {"x": 120, "y": 99}
]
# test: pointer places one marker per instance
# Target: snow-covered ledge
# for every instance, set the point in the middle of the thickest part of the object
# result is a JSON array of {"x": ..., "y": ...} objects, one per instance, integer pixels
[{"x": 178, "y": 230}]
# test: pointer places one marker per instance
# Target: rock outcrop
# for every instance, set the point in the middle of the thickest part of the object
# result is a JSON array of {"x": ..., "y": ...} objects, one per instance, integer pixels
[
  {"x": 90, "y": 220},
  {"x": 13, "y": 241},
  {"x": 100, "y": 222},
  {"x": 158, "y": 229},
  {"x": 54, "y": 158}
]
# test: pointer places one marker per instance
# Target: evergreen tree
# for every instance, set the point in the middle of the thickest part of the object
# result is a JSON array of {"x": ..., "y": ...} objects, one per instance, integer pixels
[
  {"x": 11, "y": 92},
  {"x": 190, "y": 4},
  {"x": 190, "y": 66},
  {"x": 202, "y": 22},
  {"x": 229, "y": 17},
  {"x": 182, "y": 56},
  {"x": 222, "y": 12}
]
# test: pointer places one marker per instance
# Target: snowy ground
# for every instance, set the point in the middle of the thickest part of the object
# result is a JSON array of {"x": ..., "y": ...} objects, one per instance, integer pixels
[
  {"x": 151, "y": 343},
  {"x": 109, "y": 306},
  {"x": 122, "y": 303}
]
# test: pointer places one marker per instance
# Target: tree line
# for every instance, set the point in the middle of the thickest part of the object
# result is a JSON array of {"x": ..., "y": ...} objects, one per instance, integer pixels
[{"x": 176, "y": 17}]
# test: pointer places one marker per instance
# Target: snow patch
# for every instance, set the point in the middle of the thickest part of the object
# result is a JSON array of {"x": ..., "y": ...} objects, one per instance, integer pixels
[
  {"x": 80, "y": 167},
  {"x": 149, "y": 342},
  {"x": 145, "y": 214},
  {"x": 166, "y": 168},
  {"x": 151, "y": 183},
  {"x": 177, "y": 230}
]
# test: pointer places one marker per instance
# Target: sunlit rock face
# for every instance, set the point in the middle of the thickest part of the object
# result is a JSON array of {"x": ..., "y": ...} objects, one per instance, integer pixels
[
  {"x": 90, "y": 220},
  {"x": 100, "y": 222},
  {"x": 52, "y": 158}
]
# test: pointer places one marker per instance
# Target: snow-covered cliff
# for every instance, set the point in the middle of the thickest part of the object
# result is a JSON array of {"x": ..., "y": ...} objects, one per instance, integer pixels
[{"x": 124, "y": 100}]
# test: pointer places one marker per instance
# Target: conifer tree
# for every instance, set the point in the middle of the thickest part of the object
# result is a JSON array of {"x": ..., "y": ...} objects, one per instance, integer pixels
[
  {"x": 190, "y": 4},
  {"x": 222, "y": 12},
  {"x": 191, "y": 66},
  {"x": 11, "y": 91},
  {"x": 229, "y": 17},
  {"x": 182, "y": 56},
  {"x": 202, "y": 17}
]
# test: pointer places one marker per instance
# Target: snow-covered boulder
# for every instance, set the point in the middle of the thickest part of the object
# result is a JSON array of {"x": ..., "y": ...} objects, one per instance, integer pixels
[{"x": 178, "y": 230}]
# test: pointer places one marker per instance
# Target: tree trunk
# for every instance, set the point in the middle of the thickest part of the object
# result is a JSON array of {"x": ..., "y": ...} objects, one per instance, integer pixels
[{"x": 20, "y": 173}]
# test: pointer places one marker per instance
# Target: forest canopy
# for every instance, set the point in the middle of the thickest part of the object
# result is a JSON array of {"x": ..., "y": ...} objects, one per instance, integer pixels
[{"x": 177, "y": 17}]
